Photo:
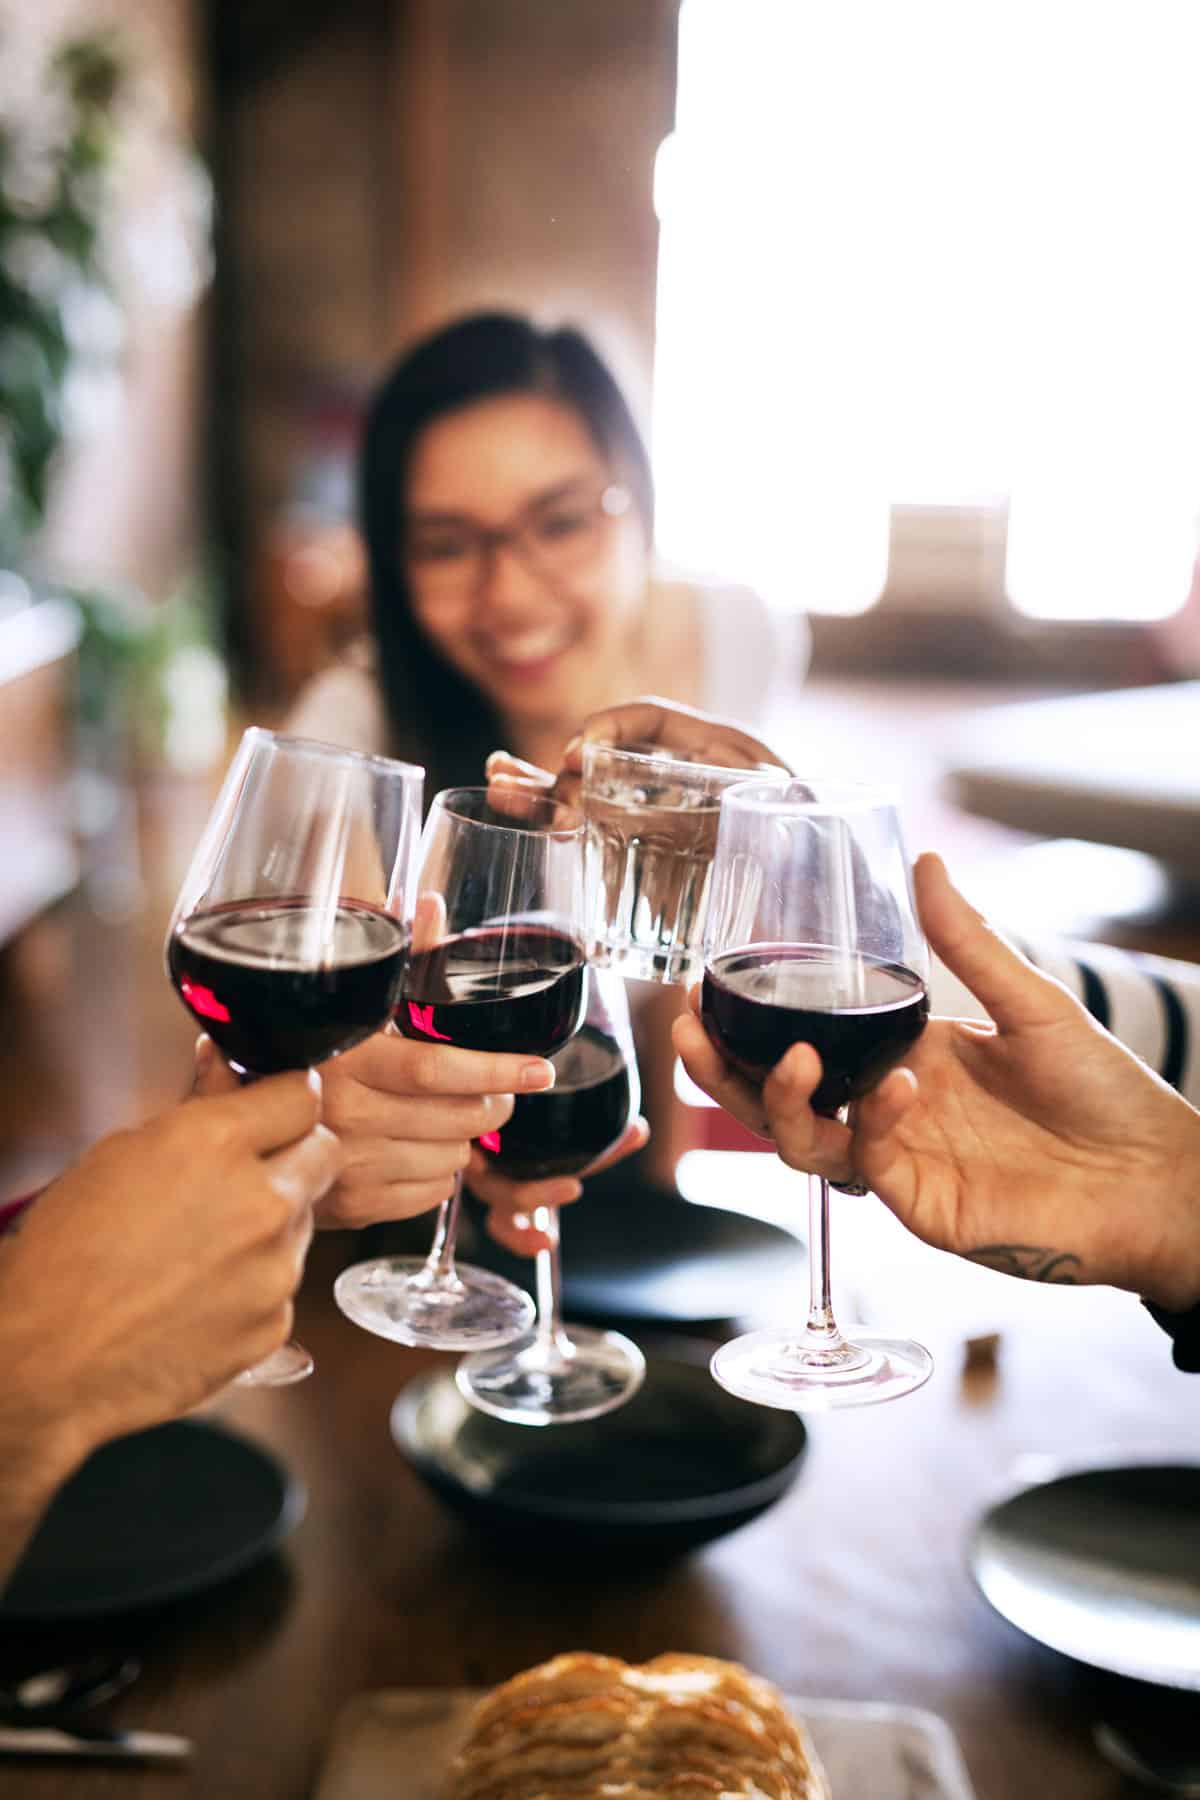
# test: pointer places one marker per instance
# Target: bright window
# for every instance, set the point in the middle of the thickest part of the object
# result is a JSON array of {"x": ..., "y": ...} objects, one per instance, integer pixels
[{"x": 941, "y": 253}]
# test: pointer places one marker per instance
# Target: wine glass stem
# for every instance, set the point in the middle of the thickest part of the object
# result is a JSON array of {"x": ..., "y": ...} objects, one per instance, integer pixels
[
  {"x": 548, "y": 1281},
  {"x": 285, "y": 1365},
  {"x": 821, "y": 1323},
  {"x": 439, "y": 1264}
]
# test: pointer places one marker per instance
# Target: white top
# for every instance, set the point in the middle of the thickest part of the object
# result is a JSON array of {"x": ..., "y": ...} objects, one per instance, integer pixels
[
  {"x": 750, "y": 657},
  {"x": 343, "y": 705}
]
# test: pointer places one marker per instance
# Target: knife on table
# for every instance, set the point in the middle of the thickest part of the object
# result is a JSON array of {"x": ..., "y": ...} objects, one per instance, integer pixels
[{"x": 79, "y": 1739}]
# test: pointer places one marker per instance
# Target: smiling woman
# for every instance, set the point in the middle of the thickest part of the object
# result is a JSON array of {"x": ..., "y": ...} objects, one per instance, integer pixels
[
  {"x": 508, "y": 509},
  {"x": 526, "y": 561}
]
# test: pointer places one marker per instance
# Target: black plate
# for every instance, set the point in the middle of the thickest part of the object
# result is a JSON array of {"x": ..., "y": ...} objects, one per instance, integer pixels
[
  {"x": 1103, "y": 1566},
  {"x": 632, "y": 1252},
  {"x": 151, "y": 1517},
  {"x": 682, "y": 1463}
]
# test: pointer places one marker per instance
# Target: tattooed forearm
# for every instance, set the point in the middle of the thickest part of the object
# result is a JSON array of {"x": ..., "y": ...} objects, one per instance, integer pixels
[{"x": 1033, "y": 1262}]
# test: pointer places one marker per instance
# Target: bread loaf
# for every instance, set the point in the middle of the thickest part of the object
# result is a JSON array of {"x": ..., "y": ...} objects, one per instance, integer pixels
[{"x": 677, "y": 1728}]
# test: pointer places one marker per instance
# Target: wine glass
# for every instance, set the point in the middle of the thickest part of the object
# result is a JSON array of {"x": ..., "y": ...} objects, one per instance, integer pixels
[
  {"x": 559, "y": 1373},
  {"x": 812, "y": 937},
  {"x": 291, "y": 931},
  {"x": 497, "y": 964}
]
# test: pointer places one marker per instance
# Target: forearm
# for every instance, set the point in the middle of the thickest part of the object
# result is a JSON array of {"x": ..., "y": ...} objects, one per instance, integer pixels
[
  {"x": 1172, "y": 1281},
  {"x": 42, "y": 1437},
  {"x": 30, "y": 1476},
  {"x": 1174, "y": 1298}
]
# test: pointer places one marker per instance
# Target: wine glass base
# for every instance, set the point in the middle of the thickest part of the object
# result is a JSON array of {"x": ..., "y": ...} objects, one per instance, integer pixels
[
  {"x": 585, "y": 1374},
  {"x": 479, "y": 1311},
  {"x": 778, "y": 1368},
  {"x": 291, "y": 1362}
]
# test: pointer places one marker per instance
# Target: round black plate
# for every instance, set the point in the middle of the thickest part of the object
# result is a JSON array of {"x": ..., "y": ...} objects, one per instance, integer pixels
[
  {"x": 635, "y": 1253},
  {"x": 1103, "y": 1566},
  {"x": 682, "y": 1463},
  {"x": 152, "y": 1517}
]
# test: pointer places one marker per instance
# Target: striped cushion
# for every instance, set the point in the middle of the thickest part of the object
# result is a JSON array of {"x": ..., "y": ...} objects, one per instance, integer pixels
[{"x": 1150, "y": 1003}]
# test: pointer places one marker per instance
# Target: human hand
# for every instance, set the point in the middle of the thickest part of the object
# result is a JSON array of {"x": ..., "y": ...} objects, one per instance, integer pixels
[
  {"x": 1036, "y": 1145},
  {"x": 405, "y": 1112},
  {"x": 512, "y": 1204},
  {"x": 646, "y": 723},
  {"x": 655, "y": 724},
  {"x": 512, "y": 783},
  {"x": 516, "y": 787},
  {"x": 160, "y": 1265}
]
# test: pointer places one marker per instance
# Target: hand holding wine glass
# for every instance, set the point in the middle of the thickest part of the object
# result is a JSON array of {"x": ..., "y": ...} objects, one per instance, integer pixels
[
  {"x": 290, "y": 933},
  {"x": 407, "y": 1113},
  {"x": 1029, "y": 1146},
  {"x": 119, "y": 1308},
  {"x": 499, "y": 967},
  {"x": 811, "y": 938},
  {"x": 561, "y": 1373},
  {"x": 513, "y": 1205}
]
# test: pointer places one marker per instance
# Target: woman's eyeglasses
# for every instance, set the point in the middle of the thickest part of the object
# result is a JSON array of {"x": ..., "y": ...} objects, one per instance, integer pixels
[{"x": 554, "y": 537}]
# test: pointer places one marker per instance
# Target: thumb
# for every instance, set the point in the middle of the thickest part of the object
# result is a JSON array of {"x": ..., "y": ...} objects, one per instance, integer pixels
[
  {"x": 306, "y": 1169},
  {"x": 213, "y": 1074},
  {"x": 1012, "y": 992},
  {"x": 429, "y": 921}
]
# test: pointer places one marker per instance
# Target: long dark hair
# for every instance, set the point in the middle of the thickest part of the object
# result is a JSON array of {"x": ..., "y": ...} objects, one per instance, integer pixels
[{"x": 437, "y": 717}]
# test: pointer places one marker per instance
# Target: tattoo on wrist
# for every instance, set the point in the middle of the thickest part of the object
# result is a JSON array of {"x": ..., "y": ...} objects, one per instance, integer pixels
[{"x": 1031, "y": 1262}]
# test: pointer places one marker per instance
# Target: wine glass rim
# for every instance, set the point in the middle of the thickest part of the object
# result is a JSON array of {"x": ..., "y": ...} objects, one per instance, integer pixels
[
  {"x": 643, "y": 754},
  {"x": 447, "y": 801},
  {"x": 320, "y": 750},
  {"x": 838, "y": 797}
]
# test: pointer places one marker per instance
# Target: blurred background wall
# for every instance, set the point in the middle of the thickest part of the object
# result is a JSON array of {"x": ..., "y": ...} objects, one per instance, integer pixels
[
  {"x": 126, "y": 500},
  {"x": 382, "y": 165},
  {"x": 809, "y": 245}
]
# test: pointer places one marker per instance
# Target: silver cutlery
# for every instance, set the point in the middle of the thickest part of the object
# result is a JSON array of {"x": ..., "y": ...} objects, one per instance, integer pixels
[
  {"x": 43, "y": 1715},
  {"x": 77, "y": 1739},
  {"x": 68, "y": 1688}
]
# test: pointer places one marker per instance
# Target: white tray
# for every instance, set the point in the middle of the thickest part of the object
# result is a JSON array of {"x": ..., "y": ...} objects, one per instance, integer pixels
[{"x": 395, "y": 1745}]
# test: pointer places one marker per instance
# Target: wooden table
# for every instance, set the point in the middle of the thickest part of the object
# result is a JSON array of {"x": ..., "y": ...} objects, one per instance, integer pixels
[{"x": 853, "y": 1586}]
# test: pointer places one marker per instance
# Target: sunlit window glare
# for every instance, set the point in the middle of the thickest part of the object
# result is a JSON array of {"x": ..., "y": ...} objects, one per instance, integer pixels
[{"x": 938, "y": 254}]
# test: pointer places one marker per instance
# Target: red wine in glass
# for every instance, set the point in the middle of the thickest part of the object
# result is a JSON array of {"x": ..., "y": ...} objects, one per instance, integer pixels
[
  {"x": 291, "y": 930},
  {"x": 757, "y": 1002},
  {"x": 812, "y": 937},
  {"x": 562, "y": 1132},
  {"x": 502, "y": 988},
  {"x": 497, "y": 965},
  {"x": 561, "y": 1373},
  {"x": 241, "y": 970}
]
